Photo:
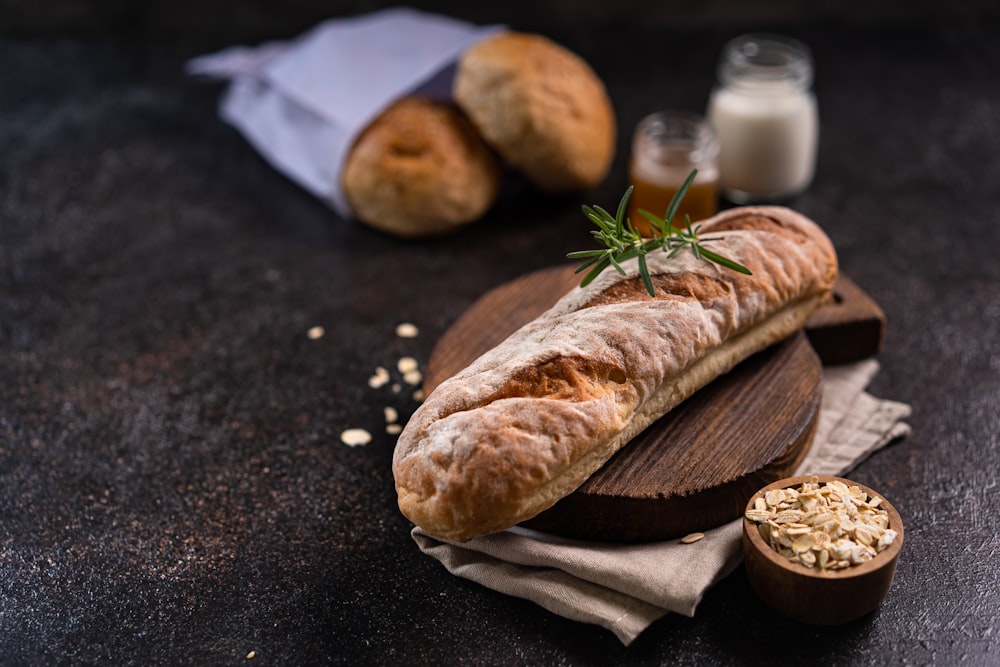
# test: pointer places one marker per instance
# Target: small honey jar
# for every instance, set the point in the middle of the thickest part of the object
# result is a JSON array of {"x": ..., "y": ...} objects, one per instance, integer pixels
[{"x": 666, "y": 147}]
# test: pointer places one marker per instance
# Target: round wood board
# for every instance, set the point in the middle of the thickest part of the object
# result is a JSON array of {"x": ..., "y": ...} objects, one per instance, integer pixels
[{"x": 691, "y": 470}]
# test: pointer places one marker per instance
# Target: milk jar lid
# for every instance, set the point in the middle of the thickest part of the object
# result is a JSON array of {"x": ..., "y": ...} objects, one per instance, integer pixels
[{"x": 766, "y": 60}]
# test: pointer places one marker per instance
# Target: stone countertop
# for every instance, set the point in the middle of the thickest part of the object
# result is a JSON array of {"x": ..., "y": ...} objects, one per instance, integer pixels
[{"x": 173, "y": 488}]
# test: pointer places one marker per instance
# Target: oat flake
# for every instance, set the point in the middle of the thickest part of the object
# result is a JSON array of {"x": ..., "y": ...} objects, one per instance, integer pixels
[
  {"x": 407, "y": 365},
  {"x": 407, "y": 330},
  {"x": 353, "y": 437},
  {"x": 830, "y": 526},
  {"x": 379, "y": 379}
]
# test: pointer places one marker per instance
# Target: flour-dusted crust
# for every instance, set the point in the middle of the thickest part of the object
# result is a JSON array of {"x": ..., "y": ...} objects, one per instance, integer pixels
[
  {"x": 420, "y": 169},
  {"x": 541, "y": 107},
  {"x": 530, "y": 420}
]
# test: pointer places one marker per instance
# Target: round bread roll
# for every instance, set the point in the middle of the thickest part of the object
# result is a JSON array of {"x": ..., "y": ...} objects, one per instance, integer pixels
[
  {"x": 541, "y": 106},
  {"x": 420, "y": 169}
]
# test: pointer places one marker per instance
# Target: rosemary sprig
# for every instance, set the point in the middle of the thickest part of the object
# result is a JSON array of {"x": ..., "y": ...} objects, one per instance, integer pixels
[{"x": 622, "y": 242}]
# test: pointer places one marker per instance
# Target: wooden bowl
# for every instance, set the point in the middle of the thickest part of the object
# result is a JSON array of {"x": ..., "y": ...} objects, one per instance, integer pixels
[{"x": 813, "y": 595}]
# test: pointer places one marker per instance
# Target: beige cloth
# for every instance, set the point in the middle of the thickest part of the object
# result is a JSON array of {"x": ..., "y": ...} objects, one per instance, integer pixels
[{"x": 625, "y": 587}]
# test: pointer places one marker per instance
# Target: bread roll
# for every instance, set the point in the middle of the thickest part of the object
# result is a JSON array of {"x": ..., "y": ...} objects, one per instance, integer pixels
[
  {"x": 420, "y": 169},
  {"x": 530, "y": 420},
  {"x": 542, "y": 108}
]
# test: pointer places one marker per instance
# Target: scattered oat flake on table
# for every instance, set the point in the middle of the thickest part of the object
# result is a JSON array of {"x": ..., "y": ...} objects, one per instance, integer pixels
[
  {"x": 315, "y": 333},
  {"x": 407, "y": 364},
  {"x": 413, "y": 378},
  {"x": 692, "y": 538},
  {"x": 394, "y": 428},
  {"x": 390, "y": 414},
  {"x": 379, "y": 379},
  {"x": 406, "y": 330},
  {"x": 418, "y": 395},
  {"x": 251, "y": 655},
  {"x": 353, "y": 437}
]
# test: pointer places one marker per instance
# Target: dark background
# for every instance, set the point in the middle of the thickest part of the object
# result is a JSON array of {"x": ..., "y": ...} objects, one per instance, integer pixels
[
  {"x": 172, "y": 485},
  {"x": 267, "y": 19}
]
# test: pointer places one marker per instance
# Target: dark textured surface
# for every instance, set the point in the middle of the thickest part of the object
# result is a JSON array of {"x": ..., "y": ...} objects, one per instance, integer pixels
[
  {"x": 266, "y": 19},
  {"x": 172, "y": 485}
]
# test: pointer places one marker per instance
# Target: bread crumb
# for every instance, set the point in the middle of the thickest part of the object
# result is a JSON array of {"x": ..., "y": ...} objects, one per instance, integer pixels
[
  {"x": 407, "y": 330},
  {"x": 353, "y": 437},
  {"x": 315, "y": 333}
]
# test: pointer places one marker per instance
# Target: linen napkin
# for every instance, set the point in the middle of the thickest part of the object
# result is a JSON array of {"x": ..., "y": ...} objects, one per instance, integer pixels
[
  {"x": 302, "y": 103},
  {"x": 625, "y": 587}
]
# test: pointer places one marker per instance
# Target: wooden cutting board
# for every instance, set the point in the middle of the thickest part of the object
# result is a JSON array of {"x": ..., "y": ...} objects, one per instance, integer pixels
[{"x": 695, "y": 467}]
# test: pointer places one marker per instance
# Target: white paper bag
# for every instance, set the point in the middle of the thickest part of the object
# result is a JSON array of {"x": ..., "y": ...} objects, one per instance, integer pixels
[{"x": 302, "y": 103}]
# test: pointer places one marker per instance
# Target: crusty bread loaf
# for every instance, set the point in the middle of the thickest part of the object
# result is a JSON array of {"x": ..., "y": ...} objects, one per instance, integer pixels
[
  {"x": 530, "y": 420},
  {"x": 541, "y": 107},
  {"x": 420, "y": 169}
]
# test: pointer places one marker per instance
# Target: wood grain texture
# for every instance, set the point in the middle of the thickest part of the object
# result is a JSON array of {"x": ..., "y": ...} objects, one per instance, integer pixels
[{"x": 851, "y": 326}]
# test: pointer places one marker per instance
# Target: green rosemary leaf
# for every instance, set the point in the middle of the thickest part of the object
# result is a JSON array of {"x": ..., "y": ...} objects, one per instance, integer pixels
[
  {"x": 622, "y": 242},
  {"x": 632, "y": 231},
  {"x": 588, "y": 263},
  {"x": 590, "y": 213},
  {"x": 596, "y": 271},
  {"x": 725, "y": 261},
  {"x": 656, "y": 224},
  {"x": 606, "y": 227},
  {"x": 646, "y": 279},
  {"x": 622, "y": 206},
  {"x": 579, "y": 254},
  {"x": 604, "y": 214},
  {"x": 675, "y": 201},
  {"x": 650, "y": 216}
]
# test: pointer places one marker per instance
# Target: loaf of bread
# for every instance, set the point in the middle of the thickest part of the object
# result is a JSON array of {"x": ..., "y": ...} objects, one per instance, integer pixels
[
  {"x": 420, "y": 169},
  {"x": 530, "y": 420},
  {"x": 541, "y": 107}
]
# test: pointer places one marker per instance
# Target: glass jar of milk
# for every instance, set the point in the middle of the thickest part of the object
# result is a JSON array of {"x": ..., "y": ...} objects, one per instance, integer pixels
[{"x": 764, "y": 114}]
